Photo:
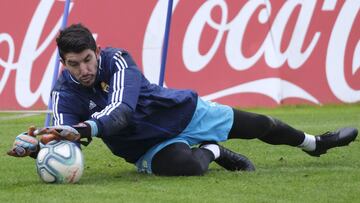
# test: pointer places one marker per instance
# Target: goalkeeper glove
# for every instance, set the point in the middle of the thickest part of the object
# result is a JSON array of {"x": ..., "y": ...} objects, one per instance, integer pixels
[
  {"x": 61, "y": 132},
  {"x": 25, "y": 144},
  {"x": 71, "y": 133}
]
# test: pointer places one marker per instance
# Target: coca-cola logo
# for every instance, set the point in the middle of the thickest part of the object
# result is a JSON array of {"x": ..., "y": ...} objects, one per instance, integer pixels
[
  {"x": 30, "y": 50},
  {"x": 303, "y": 43},
  {"x": 271, "y": 51}
]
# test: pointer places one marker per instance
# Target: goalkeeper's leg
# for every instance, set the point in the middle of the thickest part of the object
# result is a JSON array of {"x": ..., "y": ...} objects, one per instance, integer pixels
[
  {"x": 178, "y": 159},
  {"x": 248, "y": 125}
]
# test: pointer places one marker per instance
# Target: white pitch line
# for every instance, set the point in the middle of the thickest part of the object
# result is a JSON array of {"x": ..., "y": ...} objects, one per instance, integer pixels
[{"x": 12, "y": 117}]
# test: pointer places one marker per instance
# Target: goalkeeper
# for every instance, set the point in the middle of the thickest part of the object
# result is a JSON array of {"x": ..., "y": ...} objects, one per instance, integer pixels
[{"x": 103, "y": 94}]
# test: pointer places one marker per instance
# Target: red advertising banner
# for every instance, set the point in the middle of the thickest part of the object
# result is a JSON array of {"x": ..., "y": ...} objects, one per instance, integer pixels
[{"x": 241, "y": 53}]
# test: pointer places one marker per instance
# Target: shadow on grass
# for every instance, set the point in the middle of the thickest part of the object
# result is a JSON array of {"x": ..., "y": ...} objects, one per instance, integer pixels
[{"x": 128, "y": 175}]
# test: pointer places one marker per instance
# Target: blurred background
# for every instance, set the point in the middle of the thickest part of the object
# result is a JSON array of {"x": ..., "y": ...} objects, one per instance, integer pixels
[{"x": 241, "y": 53}]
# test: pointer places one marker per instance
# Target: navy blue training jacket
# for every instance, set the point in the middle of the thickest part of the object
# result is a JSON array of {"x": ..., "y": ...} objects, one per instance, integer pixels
[{"x": 131, "y": 113}]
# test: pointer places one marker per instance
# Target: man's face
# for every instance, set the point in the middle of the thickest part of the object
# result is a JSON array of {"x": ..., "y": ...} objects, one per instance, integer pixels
[{"x": 83, "y": 65}]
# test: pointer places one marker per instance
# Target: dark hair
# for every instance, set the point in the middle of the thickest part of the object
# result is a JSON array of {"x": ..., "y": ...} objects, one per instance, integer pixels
[{"x": 75, "y": 38}]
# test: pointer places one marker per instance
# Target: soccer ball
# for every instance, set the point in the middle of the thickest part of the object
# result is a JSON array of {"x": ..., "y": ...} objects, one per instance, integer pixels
[{"x": 60, "y": 162}]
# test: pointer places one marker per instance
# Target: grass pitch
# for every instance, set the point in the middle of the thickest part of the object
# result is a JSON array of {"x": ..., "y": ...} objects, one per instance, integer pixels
[{"x": 284, "y": 174}]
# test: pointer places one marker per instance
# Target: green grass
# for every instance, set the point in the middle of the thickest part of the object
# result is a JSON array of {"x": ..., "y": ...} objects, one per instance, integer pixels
[{"x": 284, "y": 174}]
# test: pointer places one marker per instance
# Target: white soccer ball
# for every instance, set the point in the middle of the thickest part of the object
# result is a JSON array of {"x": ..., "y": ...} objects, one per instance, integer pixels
[{"x": 60, "y": 162}]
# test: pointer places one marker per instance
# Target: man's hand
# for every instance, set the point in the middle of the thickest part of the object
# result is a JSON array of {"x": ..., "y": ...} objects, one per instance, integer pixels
[
  {"x": 25, "y": 144},
  {"x": 61, "y": 131}
]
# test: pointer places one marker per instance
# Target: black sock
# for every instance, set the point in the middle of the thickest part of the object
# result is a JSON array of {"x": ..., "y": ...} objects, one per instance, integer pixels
[{"x": 270, "y": 130}]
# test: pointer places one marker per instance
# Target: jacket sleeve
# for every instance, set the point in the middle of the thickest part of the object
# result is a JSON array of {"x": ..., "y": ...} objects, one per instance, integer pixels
[
  {"x": 62, "y": 113},
  {"x": 125, "y": 83}
]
